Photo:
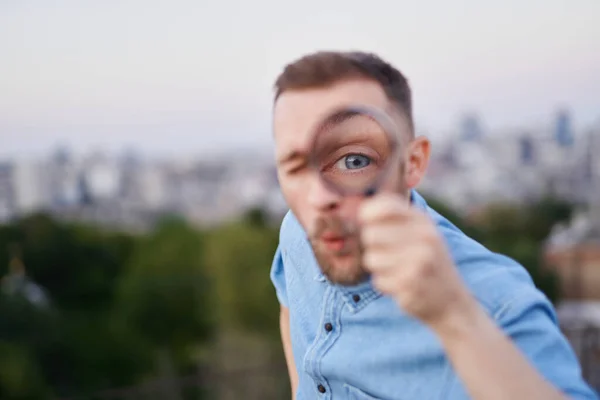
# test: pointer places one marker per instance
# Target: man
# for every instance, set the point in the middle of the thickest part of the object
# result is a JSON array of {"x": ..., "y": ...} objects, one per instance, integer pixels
[{"x": 412, "y": 308}]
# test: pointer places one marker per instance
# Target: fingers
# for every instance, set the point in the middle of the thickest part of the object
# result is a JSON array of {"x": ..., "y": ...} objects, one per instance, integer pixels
[
  {"x": 382, "y": 207},
  {"x": 397, "y": 239},
  {"x": 399, "y": 271},
  {"x": 388, "y": 233},
  {"x": 379, "y": 261},
  {"x": 385, "y": 208}
]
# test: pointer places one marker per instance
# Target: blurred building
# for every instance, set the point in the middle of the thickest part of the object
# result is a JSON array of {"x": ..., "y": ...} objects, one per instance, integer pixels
[
  {"x": 470, "y": 127},
  {"x": 563, "y": 129},
  {"x": 573, "y": 251},
  {"x": 469, "y": 169},
  {"x": 516, "y": 166},
  {"x": 17, "y": 283},
  {"x": 29, "y": 195},
  {"x": 7, "y": 192}
]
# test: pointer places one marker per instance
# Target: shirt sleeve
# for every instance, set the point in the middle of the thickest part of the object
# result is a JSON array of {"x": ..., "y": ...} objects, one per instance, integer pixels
[
  {"x": 278, "y": 277},
  {"x": 530, "y": 321}
]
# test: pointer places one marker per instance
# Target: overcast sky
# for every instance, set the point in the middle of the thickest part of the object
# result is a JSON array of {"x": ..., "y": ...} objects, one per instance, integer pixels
[{"x": 188, "y": 76}]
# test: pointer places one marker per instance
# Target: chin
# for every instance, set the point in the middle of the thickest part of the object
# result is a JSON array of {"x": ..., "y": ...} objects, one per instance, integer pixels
[
  {"x": 344, "y": 269},
  {"x": 348, "y": 279}
]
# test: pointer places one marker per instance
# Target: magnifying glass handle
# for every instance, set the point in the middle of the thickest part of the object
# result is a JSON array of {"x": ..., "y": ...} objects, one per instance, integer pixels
[{"x": 370, "y": 192}]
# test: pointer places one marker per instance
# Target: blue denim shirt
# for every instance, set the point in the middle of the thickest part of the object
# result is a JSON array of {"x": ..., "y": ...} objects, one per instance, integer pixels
[{"x": 354, "y": 343}]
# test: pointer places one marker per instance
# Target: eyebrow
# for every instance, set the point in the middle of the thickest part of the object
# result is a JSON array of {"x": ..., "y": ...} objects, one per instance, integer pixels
[
  {"x": 292, "y": 156},
  {"x": 297, "y": 155},
  {"x": 340, "y": 117}
]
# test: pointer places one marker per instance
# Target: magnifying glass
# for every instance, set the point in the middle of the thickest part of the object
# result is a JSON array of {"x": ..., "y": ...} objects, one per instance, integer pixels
[{"x": 354, "y": 148}]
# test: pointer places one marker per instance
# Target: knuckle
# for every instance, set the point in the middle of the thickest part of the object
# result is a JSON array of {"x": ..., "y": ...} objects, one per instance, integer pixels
[
  {"x": 428, "y": 234},
  {"x": 421, "y": 253},
  {"x": 411, "y": 274},
  {"x": 381, "y": 284},
  {"x": 369, "y": 259},
  {"x": 421, "y": 273},
  {"x": 365, "y": 211},
  {"x": 364, "y": 235},
  {"x": 368, "y": 235}
]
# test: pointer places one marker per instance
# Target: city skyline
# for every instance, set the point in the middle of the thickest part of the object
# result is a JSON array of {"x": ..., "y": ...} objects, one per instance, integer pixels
[
  {"x": 560, "y": 126},
  {"x": 186, "y": 78}
]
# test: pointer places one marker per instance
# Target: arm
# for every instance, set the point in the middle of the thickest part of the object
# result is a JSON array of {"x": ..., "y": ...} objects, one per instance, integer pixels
[
  {"x": 277, "y": 275},
  {"x": 523, "y": 356},
  {"x": 489, "y": 364},
  {"x": 284, "y": 324}
]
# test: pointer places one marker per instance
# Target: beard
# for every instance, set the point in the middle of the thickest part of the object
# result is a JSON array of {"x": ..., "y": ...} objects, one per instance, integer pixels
[{"x": 344, "y": 266}]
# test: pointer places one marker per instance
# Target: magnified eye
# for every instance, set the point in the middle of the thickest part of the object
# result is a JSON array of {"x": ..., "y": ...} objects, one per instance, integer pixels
[{"x": 353, "y": 161}]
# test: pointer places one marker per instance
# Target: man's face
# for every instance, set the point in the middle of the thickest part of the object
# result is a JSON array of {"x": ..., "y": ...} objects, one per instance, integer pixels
[{"x": 326, "y": 216}]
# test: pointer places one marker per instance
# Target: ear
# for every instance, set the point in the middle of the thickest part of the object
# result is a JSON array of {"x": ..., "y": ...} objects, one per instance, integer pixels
[{"x": 419, "y": 151}]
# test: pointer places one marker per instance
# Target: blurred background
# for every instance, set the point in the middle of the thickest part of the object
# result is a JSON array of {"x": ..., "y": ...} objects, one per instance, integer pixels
[{"x": 139, "y": 203}]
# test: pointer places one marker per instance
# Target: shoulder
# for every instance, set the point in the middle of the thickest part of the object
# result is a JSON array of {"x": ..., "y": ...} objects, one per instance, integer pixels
[
  {"x": 291, "y": 233},
  {"x": 293, "y": 242},
  {"x": 296, "y": 252},
  {"x": 505, "y": 289},
  {"x": 496, "y": 281}
]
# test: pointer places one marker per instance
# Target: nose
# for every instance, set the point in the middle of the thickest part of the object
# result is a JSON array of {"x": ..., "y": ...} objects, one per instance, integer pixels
[{"x": 321, "y": 198}]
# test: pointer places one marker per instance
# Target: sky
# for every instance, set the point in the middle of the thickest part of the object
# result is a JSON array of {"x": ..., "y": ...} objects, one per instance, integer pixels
[{"x": 190, "y": 77}]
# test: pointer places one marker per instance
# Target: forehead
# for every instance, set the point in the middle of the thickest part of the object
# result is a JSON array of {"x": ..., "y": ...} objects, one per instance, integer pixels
[{"x": 297, "y": 112}]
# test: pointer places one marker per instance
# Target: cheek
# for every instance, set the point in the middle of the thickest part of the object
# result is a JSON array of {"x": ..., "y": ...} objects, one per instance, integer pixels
[
  {"x": 396, "y": 181},
  {"x": 294, "y": 193},
  {"x": 290, "y": 188}
]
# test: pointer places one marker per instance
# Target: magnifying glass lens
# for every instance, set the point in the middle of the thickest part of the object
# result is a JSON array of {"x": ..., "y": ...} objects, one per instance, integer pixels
[{"x": 353, "y": 149}]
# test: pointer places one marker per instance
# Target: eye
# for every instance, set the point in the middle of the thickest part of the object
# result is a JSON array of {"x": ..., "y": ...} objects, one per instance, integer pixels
[{"x": 353, "y": 161}]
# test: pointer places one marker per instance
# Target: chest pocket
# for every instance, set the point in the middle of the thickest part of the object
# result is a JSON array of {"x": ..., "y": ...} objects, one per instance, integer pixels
[{"x": 354, "y": 393}]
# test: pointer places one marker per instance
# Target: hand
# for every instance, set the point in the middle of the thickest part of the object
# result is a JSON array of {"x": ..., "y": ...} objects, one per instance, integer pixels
[{"x": 408, "y": 260}]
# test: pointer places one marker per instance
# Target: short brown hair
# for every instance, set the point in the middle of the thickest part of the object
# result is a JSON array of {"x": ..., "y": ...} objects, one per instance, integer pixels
[{"x": 326, "y": 68}]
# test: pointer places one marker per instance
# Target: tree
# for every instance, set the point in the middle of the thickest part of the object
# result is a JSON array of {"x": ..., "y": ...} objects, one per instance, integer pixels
[
  {"x": 77, "y": 265},
  {"x": 517, "y": 232},
  {"x": 26, "y": 332},
  {"x": 455, "y": 218},
  {"x": 165, "y": 295},
  {"x": 73, "y": 344},
  {"x": 20, "y": 376},
  {"x": 240, "y": 256}
]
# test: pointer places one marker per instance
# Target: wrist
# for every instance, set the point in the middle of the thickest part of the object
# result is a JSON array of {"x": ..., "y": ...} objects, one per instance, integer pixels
[{"x": 464, "y": 319}]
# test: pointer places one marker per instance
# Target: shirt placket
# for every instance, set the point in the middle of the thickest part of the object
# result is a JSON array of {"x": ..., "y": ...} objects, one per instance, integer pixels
[
  {"x": 328, "y": 333},
  {"x": 357, "y": 298}
]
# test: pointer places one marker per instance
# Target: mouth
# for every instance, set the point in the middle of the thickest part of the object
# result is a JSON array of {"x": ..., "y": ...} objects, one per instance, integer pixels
[{"x": 334, "y": 242}]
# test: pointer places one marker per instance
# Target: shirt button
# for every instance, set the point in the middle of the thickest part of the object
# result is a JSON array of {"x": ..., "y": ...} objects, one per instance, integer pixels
[
  {"x": 328, "y": 327},
  {"x": 356, "y": 298},
  {"x": 321, "y": 388}
]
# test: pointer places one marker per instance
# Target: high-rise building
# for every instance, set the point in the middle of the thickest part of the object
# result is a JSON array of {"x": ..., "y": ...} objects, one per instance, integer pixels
[
  {"x": 7, "y": 192},
  {"x": 527, "y": 150},
  {"x": 470, "y": 129},
  {"x": 591, "y": 168},
  {"x": 563, "y": 129},
  {"x": 29, "y": 191}
]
